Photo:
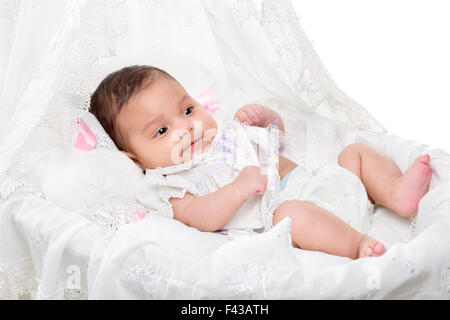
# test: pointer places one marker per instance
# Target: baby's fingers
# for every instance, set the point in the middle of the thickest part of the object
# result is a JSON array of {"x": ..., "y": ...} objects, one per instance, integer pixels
[
  {"x": 243, "y": 117},
  {"x": 259, "y": 110},
  {"x": 261, "y": 189},
  {"x": 253, "y": 115}
]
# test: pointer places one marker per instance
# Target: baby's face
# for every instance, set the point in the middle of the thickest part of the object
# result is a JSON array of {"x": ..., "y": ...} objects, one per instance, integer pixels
[{"x": 164, "y": 126}]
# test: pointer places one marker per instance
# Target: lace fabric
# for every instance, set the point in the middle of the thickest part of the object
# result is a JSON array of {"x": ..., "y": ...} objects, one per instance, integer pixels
[
  {"x": 14, "y": 185},
  {"x": 307, "y": 74},
  {"x": 60, "y": 92},
  {"x": 17, "y": 280},
  {"x": 247, "y": 281},
  {"x": 91, "y": 30},
  {"x": 113, "y": 214}
]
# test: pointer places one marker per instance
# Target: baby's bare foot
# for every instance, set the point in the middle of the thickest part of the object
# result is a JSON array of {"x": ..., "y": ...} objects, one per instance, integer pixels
[
  {"x": 369, "y": 247},
  {"x": 411, "y": 187}
]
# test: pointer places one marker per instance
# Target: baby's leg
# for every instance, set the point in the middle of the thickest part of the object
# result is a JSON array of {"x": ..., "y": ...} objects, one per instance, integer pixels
[
  {"x": 314, "y": 228},
  {"x": 384, "y": 181}
]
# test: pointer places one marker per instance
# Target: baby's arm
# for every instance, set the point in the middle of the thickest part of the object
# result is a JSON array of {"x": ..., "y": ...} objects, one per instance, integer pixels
[
  {"x": 211, "y": 212},
  {"x": 258, "y": 115}
]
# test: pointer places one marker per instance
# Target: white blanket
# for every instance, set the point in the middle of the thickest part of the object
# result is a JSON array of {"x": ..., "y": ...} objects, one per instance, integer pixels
[{"x": 161, "y": 258}]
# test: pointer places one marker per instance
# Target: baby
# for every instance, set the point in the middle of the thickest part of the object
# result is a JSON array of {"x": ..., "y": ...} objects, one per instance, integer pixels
[{"x": 191, "y": 173}]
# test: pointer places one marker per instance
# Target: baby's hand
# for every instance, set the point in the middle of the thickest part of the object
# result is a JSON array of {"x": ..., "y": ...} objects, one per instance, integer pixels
[
  {"x": 252, "y": 114},
  {"x": 250, "y": 182}
]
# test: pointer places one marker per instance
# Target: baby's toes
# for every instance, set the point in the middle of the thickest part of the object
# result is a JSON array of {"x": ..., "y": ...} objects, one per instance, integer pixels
[
  {"x": 378, "y": 249},
  {"x": 371, "y": 248},
  {"x": 367, "y": 252},
  {"x": 425, "y": 158}
]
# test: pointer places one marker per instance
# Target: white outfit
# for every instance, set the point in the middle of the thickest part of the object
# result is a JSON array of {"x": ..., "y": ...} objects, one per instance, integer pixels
[
  {"x": 333, "y": 188},
  {"x": 237, "y": 146},
  {"x": 234, "y": 147}
]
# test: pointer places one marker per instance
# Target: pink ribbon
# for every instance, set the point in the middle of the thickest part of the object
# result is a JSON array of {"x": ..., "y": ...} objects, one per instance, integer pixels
[
  {"x": 139, "y": 214},
  {"x": 205, "y": 100},
  {"x": 86, "y": 139}
]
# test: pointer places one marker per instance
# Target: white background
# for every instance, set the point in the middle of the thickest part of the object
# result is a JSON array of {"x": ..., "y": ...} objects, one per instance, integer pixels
[{"x": 391, "y": 56}]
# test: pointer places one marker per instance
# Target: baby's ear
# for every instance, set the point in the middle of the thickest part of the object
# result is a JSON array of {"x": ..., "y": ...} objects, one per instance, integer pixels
[{"x": 133, "y": 157}]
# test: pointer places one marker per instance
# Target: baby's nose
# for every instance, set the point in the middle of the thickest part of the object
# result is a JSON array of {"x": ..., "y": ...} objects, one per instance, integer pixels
[
  {"x": 188, "y": 127},
  {"x": 185, "y": 129}
]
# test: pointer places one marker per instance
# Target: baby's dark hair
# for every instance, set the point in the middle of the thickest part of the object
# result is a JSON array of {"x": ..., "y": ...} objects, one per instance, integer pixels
[{"x": 114, "y": 92}]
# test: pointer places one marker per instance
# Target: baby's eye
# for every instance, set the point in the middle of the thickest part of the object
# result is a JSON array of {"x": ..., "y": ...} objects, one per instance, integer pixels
[
  {"x": 160, "y": 132},
  {"x": 188, "y": 111}
]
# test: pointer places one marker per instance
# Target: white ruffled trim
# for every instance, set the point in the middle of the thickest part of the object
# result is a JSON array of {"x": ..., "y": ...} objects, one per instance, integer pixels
[{"x": 157, "y": 189}]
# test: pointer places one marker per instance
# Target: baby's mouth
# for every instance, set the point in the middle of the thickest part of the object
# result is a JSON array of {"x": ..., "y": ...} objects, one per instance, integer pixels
[
  {"x": 196, "y": 145},
  {"x": 193, "y": 144}
]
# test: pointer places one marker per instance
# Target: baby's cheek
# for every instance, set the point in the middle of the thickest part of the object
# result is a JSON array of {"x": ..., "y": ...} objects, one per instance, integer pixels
[
  {"x": 210, "y": 128},
  {"x": 173, "y": 154}
]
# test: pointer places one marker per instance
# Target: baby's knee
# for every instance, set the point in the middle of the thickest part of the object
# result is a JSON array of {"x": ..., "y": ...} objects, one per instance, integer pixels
[
  {"x": 292, "y": 209},
  {"x": 350, "y": 153}
]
